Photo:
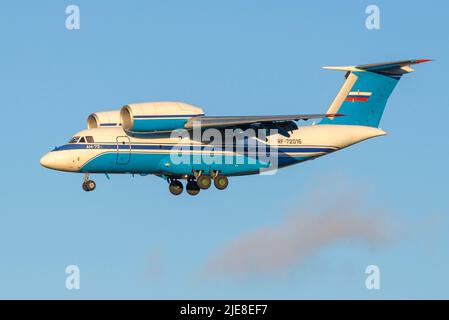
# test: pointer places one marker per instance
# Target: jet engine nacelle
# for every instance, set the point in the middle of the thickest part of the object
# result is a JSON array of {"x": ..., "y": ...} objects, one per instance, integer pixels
[
  {"x": 157, "y": 116},
  {"x": 104, "y": 119}
]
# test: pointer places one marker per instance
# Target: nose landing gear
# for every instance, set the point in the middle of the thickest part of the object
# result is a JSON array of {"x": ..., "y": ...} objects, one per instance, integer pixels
[{"x": 88, "y": 185}]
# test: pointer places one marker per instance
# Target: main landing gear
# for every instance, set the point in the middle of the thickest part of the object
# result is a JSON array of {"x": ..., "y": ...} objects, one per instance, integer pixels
[
  {"x": 204, "y": 182},
  {"x": 221, "y": 182},
  {"x": 175, "y": 187},
  {"x": 192, "y": 187},
  {"x": 88, "y": 185},
  {"x": 198, "y": 182}
]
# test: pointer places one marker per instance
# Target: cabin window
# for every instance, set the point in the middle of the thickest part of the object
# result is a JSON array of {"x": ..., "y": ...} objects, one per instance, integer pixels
[
  {"x": 82, "y": 140},
  {"x": 90, "y": 139},
  {"x": 74, "y": 140}
]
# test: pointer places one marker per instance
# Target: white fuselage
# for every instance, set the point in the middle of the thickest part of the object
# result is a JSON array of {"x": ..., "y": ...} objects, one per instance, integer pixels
[{"x": 111, "y": 150}]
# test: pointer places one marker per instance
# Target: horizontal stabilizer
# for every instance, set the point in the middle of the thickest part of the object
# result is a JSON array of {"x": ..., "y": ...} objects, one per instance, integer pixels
[
  {"x": 373, "y": 67},
  {"x": 394, "y": 67}
]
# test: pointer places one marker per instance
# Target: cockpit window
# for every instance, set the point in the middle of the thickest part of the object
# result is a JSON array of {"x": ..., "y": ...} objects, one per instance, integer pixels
[
  {"x": 90, "y": 139},
  {"x": 74, "y": 140},
  {"x": 82, "y": 140}
]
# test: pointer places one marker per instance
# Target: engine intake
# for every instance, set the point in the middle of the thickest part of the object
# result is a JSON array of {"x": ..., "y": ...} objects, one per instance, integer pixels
[{"x": 104, "y": 119}]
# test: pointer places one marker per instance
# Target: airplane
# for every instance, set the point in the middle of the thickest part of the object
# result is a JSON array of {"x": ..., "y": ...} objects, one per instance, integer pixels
[{"x": 150, "y": 138}]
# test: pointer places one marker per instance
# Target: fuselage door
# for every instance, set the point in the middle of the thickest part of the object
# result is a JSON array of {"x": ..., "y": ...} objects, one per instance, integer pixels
[{"x": 123, "y": 150}]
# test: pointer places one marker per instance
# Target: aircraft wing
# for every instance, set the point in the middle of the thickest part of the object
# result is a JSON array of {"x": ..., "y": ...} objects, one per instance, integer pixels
[{"x": 233, "y": 121}]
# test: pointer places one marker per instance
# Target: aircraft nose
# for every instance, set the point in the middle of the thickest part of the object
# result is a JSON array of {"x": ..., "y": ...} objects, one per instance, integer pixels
[
  {"x": 50, "y": 160},
  {"x": 57, "y": 160}
]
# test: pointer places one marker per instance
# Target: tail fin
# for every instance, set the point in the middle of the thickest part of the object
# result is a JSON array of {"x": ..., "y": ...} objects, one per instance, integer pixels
[{"x": 363, "y": 96}]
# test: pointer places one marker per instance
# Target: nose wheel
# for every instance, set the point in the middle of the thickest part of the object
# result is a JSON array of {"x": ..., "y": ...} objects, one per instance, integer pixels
[{"x": 88, "y": 185}]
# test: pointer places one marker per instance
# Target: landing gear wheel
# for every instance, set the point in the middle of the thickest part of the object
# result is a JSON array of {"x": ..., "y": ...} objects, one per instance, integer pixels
[
  {"x": 204, "y": 182},
  {"x": 221, "y": 182},
  {"x": 192, "y": 188},
  {"x": 175, "y": 187},
  {"x": 89, "y": 185}
]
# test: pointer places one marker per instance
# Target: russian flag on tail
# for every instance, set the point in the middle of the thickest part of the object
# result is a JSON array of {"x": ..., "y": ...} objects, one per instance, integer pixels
[{"x": 358, "y": 96}]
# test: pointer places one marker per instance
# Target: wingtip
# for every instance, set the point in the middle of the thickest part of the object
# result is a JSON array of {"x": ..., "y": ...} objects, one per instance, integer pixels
[
  {"x": 333, "y": 115},
  {"x": 423, "y": 60}
]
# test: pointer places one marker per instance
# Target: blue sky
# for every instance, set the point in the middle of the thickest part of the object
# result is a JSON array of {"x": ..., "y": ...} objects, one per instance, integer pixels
[{"x": 131, "y": 238}]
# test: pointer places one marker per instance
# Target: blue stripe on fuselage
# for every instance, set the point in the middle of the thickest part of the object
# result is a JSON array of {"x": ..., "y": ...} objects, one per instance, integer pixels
[
  {"x": 280, "y": 149},
  {"x": 156, "y": 163}
]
